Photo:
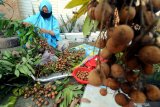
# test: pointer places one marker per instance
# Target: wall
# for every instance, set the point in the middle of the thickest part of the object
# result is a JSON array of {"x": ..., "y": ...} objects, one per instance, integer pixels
[
  {"x": 8, "y": 11},
  {"x": 27, "y": 6}
]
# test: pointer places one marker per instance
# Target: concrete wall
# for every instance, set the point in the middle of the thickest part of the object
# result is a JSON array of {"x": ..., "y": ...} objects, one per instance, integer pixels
[
  {"x": 8, "y": 11},
  {"x": 27, "y": 7},
  {"x": 24, "y": 8}
]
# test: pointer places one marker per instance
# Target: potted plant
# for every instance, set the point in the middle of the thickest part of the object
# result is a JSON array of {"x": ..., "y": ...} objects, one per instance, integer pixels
[{"x": 8, "y": 29}]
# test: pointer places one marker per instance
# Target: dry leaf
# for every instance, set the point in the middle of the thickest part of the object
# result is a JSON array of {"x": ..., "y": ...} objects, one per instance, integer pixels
[
  {"x": 85, "y": 100},
  {"x": 74, "y": 102}
]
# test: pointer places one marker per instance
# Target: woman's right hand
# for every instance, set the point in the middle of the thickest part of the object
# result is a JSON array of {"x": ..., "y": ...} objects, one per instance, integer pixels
[{"x": 26, "y": 24}]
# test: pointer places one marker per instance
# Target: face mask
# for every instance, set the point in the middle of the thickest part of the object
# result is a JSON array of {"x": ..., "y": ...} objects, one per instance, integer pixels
[{"x": 45, "y": 15}]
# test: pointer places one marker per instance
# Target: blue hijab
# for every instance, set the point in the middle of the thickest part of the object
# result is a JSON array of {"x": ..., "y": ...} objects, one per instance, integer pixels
[{"x": 50, "y": 23}]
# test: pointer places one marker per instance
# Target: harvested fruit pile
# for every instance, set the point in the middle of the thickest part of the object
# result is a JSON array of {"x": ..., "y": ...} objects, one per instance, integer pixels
[
  {"x": 44, "y": 45},
  {"x": 69, "y": 59},
  {"x": 66, "y": 61},
  {"x": 131, "y": 46},
  {"x": 82, "y": 75},
  {"x": 41, "y": 94}
]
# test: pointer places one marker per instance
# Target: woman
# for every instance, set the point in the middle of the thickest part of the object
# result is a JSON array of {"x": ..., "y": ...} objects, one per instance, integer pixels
[{"x": 48, "y": 25}]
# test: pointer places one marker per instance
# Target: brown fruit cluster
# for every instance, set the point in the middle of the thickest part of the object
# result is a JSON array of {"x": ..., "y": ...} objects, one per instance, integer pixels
[
  {"x": 130, "y": 46},
  {"x": 66, "y": 61},
  {"x": 69, "y": 59},
  {"x": 98, "y": 10},
  {"x": 117, "y": 78},
  {"x": 82, "y": 75},
  {"x": 40, "y": 94},
  {"x": 44, "y": 45},
  {"x": 43, "y": 70}
]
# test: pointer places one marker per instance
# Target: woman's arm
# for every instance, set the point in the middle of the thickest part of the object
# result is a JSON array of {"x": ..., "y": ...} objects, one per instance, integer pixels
[{"x": 47, "y": 31}]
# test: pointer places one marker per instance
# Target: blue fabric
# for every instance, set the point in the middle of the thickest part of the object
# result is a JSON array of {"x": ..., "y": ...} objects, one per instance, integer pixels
[
  {"x": 90, "y": 50},
  {"x": 50, "y": 23}
]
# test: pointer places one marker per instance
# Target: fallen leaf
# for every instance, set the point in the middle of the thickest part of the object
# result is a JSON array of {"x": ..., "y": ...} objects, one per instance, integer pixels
[
  {"x": 74, "y": 102},
  {"x": 55, "y": 105},
  {"x": 85, "y": 100},
  {"x": 59, "y": 100}
]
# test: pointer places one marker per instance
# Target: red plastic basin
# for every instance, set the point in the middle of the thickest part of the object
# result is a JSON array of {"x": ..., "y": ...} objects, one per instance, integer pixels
[{"x": 82, "y": 69}]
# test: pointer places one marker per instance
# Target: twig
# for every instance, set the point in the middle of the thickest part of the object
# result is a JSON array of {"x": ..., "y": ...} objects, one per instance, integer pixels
[
  {"x": 142, "y": 17},
  {"x": 151, "y": 6}
]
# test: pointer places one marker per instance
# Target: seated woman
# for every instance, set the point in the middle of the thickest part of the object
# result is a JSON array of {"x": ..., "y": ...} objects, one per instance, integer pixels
[{"x": 48, "y": 25}]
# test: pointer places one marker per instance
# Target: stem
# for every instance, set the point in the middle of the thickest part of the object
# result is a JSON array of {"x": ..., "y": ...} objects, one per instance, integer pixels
[
  {"x": 151, "y": 6},
  {"x": 128, "y": 11},
  {"x": 148, "y": 29},
  {"x": 142, "y": 17}
]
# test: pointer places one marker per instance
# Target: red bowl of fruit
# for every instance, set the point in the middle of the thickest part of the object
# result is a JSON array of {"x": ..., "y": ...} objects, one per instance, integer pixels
[{"x": 81, "y": 74}]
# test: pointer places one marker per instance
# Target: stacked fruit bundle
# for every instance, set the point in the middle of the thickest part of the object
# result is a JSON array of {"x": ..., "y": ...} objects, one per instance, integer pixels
[
  {"x": 69, "y": 59},
  {"x": 41, "y": 94},
  {"x": 131, "y": 46}
]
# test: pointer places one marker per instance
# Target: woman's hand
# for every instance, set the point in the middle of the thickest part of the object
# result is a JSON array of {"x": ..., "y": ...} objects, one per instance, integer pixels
[
  {"x": 26, "y": 24},
  {"x": 47, "y": 31},
  {"x": 44, "y": 30}
]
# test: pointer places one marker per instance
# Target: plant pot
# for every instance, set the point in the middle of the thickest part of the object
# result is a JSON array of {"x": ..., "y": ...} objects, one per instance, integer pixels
[{"x": 9, "y": 42}]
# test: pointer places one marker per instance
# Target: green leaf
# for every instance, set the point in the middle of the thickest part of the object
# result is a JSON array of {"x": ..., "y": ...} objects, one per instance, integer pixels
[
  {"x": 74, "y": 3},
  {"x": 66, "y": 94},
  {"x": 0, "y": 76},
  {"x": 28, "y": 33},
  {"x": 95, "y": 25},
  {"x": 57, "y": 82},
  {"x": 30, "y": 61},
  {"x": 16, "y": 73},
  {"x": 26, "y": 70},
  {"x": 38, "y": 61},
  {"x": 7, "y": 54},
  {"x": 77, "y": 93},
  {"x": 27, "y": 57},
  {"x": 11, "y": 102},
  {"x": 30, "y": 67},
  {"x": 17, "y": 91},
  {"x": 4, "y": 57},
  {"x": 80, "y": 12},
  {"x": 77, "y": 105},
  {"x": 29, "y": 51},
  {"x": 87, "y": 26},
  {"x": 75, "y": 87},
  {"x": 58, "y": 96},
  {"x": 8, "y": 68},
  {"x": 62, "y": 104},
  {"x": 6, "y": 63},
  {"x": 70, "y": 97},
  {"x": 21, "y": 69},
  {"x": 24, "y": 59}
]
